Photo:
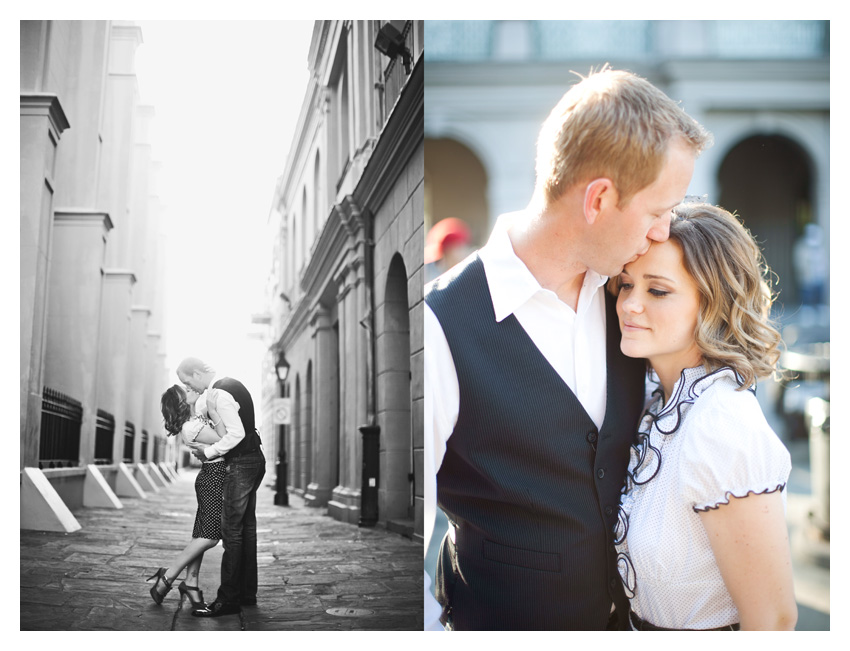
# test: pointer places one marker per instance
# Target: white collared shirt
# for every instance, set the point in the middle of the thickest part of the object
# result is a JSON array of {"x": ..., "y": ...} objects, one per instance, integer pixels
[
  {"x": 573, "y": 342},
  {"x": 228, "y": 409}
]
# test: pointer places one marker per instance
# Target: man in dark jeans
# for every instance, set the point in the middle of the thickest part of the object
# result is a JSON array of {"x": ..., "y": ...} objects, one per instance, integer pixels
[{"x": 245, "y": 467}]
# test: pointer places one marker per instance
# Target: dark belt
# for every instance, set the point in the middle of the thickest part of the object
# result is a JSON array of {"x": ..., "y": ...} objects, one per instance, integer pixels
[
  {"x": 641, "y": 625},
  {"x": 233, "y": 455}
]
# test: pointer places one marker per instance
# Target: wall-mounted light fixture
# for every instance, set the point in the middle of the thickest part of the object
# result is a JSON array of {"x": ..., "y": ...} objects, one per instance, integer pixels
[
  {"x": 390, "y": 43},
  {"x": 281, "y": 367}
]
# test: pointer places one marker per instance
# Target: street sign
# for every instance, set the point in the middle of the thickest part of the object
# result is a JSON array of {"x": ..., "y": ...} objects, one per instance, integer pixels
[{"x": 281, "y": 411}]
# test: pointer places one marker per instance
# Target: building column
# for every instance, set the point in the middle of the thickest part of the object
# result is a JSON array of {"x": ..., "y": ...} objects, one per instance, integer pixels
[
  {"x": 137, "y": 370},
  {"x": 73, "y": 325},
  {"x": 345, "y": 503},
  {"x": 113, "y": 352},
  {"x": 325, "y": 409},
  {"x": 42, "y": 124}
]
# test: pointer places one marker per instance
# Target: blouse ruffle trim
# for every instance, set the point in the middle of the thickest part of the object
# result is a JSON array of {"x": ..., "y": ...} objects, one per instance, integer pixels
[{"x": 709, "y": 506}]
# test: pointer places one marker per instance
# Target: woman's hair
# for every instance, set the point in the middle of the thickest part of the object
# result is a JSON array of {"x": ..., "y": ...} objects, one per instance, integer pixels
[
  {"x": 611, "y": 124},
  {"x": 175, "y": 409},
  {"x": 733, "y": 325}
]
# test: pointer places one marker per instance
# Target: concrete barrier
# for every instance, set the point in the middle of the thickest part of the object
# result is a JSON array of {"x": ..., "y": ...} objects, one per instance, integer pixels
[
  {"x": 126, "y": 485},
  {"x": 144, "y": 478},
  {"x": 41, "y": 507},
  {"x": 96, "y": 492}
]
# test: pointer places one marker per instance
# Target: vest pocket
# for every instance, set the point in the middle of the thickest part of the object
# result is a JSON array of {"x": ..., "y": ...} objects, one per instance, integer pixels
[{"x": 533, "y": 560}]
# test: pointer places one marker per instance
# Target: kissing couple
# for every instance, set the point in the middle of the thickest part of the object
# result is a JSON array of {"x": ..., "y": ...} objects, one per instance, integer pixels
[{"x": 214, "y": 416}]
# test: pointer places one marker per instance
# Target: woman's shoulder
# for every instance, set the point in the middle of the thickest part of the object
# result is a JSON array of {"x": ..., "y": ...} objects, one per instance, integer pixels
[
  {"x": 724, "y": 398},
  {"x": 192, "y": 426},
  {"x": 725, "y": 418}
]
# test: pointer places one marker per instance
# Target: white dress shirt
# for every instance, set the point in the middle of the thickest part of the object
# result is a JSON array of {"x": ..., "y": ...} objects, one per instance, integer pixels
[
  {"x": 573, "y": 342},
  {"x": 228, "y": 409}
]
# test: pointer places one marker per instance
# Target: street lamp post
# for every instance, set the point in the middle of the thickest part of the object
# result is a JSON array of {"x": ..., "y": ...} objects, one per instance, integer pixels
[{"x": 281, "y": 497}]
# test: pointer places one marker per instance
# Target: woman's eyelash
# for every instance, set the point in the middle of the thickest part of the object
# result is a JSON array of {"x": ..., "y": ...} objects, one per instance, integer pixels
[{"x": 658, "y": 292}]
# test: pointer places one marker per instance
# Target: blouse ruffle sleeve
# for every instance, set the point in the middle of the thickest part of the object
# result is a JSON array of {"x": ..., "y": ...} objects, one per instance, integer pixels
[
  {"x": 730, "y": 451},
  {"x": 191, "y": 429}
]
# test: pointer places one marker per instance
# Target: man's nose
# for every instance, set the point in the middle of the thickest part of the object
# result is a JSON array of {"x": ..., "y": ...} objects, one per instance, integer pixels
[{"x": 660, "y": 230}]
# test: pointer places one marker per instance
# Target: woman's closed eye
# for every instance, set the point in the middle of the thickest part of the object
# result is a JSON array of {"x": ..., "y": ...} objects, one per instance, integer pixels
[{"x": 658, "y": 292}]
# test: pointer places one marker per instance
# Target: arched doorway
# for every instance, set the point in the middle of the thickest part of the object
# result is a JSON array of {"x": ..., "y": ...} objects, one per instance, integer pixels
[
  {"x": 456, "y": 186},
  {"x": 767, "y": 181},
  {"x": 396, "y": 497}
]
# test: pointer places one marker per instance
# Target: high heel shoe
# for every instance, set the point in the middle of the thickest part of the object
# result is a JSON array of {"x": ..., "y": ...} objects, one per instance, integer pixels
[
  {"x": 187, "y": 590},
  {"x": 155, "y": 593}
]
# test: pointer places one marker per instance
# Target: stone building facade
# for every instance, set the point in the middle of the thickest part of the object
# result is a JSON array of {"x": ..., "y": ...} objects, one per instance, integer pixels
[
  {"x": 762, "y": 87},
  {"x": 345, "y": 287},
  {"x": 92, "y": 355}
]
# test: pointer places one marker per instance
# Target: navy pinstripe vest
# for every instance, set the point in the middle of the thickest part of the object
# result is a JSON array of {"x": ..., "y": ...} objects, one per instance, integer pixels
[{"x": 528, "y": 481}]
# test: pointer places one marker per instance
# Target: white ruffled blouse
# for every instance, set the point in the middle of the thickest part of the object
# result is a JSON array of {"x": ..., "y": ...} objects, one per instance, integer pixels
[
  {"x": 190, "y": 430},
  {"x": 708, "y": 443}
]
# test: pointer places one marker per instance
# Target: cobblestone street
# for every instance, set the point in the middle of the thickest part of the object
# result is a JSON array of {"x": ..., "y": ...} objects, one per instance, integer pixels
[{"x": 315, "y": 573}]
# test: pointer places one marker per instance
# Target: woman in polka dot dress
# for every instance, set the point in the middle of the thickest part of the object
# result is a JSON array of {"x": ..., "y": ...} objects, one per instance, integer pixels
[
  {"x": 178, "y": 410},
  {"x": 702, "y": 539}
]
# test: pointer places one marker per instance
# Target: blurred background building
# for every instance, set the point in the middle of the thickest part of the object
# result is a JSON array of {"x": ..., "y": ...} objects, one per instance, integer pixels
[
  {"x": 344, "y": 426},
  {"x": 91, "y": 303},
  {"x": 761, "y": 87}
]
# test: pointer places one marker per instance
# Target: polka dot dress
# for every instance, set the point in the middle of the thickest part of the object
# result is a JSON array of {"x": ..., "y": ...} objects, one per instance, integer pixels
[
  {"x": 706, "y": 445},
  {"x": 208, "y": 486},
  {"x": 208, "y": 489}
]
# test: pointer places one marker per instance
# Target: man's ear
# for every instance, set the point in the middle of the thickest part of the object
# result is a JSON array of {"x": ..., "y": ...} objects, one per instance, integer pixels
[{"x": 598, "y": 194}]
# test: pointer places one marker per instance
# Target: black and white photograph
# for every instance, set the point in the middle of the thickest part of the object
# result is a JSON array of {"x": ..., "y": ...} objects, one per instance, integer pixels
[{"x": 221, "y": 274}]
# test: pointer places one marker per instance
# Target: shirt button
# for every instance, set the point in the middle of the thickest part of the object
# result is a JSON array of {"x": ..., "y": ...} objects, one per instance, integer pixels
[
  {"x": 600, "y": 473},
  {"x": 591, "y": 436}
]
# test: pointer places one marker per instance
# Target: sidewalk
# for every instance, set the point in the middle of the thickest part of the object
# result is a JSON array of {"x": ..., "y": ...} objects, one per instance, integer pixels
[{"x": 315, "y": 573}]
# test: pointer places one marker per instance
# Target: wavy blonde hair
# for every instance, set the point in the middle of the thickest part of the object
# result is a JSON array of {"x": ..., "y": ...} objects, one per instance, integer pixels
[
  {"x": 733, "y": 326},
  {"x": 611, "y": 124}
]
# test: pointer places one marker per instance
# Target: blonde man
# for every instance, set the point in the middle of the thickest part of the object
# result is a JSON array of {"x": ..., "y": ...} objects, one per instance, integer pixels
[{"x": 530, "y": 407}]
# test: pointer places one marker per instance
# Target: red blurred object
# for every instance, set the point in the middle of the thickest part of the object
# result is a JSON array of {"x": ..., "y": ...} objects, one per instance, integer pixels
[{"x": 443, "y": 235}]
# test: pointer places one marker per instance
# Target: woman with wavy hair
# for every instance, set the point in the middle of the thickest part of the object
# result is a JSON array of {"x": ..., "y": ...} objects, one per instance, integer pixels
[
  {"x": 701, "y": 537},
  {"x": 178, "y": 412}
]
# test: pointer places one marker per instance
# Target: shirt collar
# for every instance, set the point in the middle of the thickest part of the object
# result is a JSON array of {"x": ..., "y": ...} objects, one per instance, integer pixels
[{"x": 511, "y": 283}]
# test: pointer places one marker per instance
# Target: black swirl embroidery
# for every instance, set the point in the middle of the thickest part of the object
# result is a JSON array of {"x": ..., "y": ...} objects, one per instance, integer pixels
[{"x": 648, "y": 456}]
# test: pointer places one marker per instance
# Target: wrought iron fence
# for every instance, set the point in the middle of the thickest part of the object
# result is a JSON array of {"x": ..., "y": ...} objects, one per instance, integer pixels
[
  {"x": 61, "y": 419},
  {"x": 103, "y": 437},
  {"x": 129, "y": 441}
]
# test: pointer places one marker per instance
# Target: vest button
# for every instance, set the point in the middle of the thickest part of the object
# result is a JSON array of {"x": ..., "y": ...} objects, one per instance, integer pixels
[
  {"x": 600, "y": 473},
  {"x": 591, "y": 436},
  {"x": 608, "y": 510}
]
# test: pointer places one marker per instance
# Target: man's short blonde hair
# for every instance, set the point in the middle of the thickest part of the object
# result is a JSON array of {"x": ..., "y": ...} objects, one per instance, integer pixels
[
  {"x": 191, "y": 364},
  {"x": 612, "y": 124}
]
